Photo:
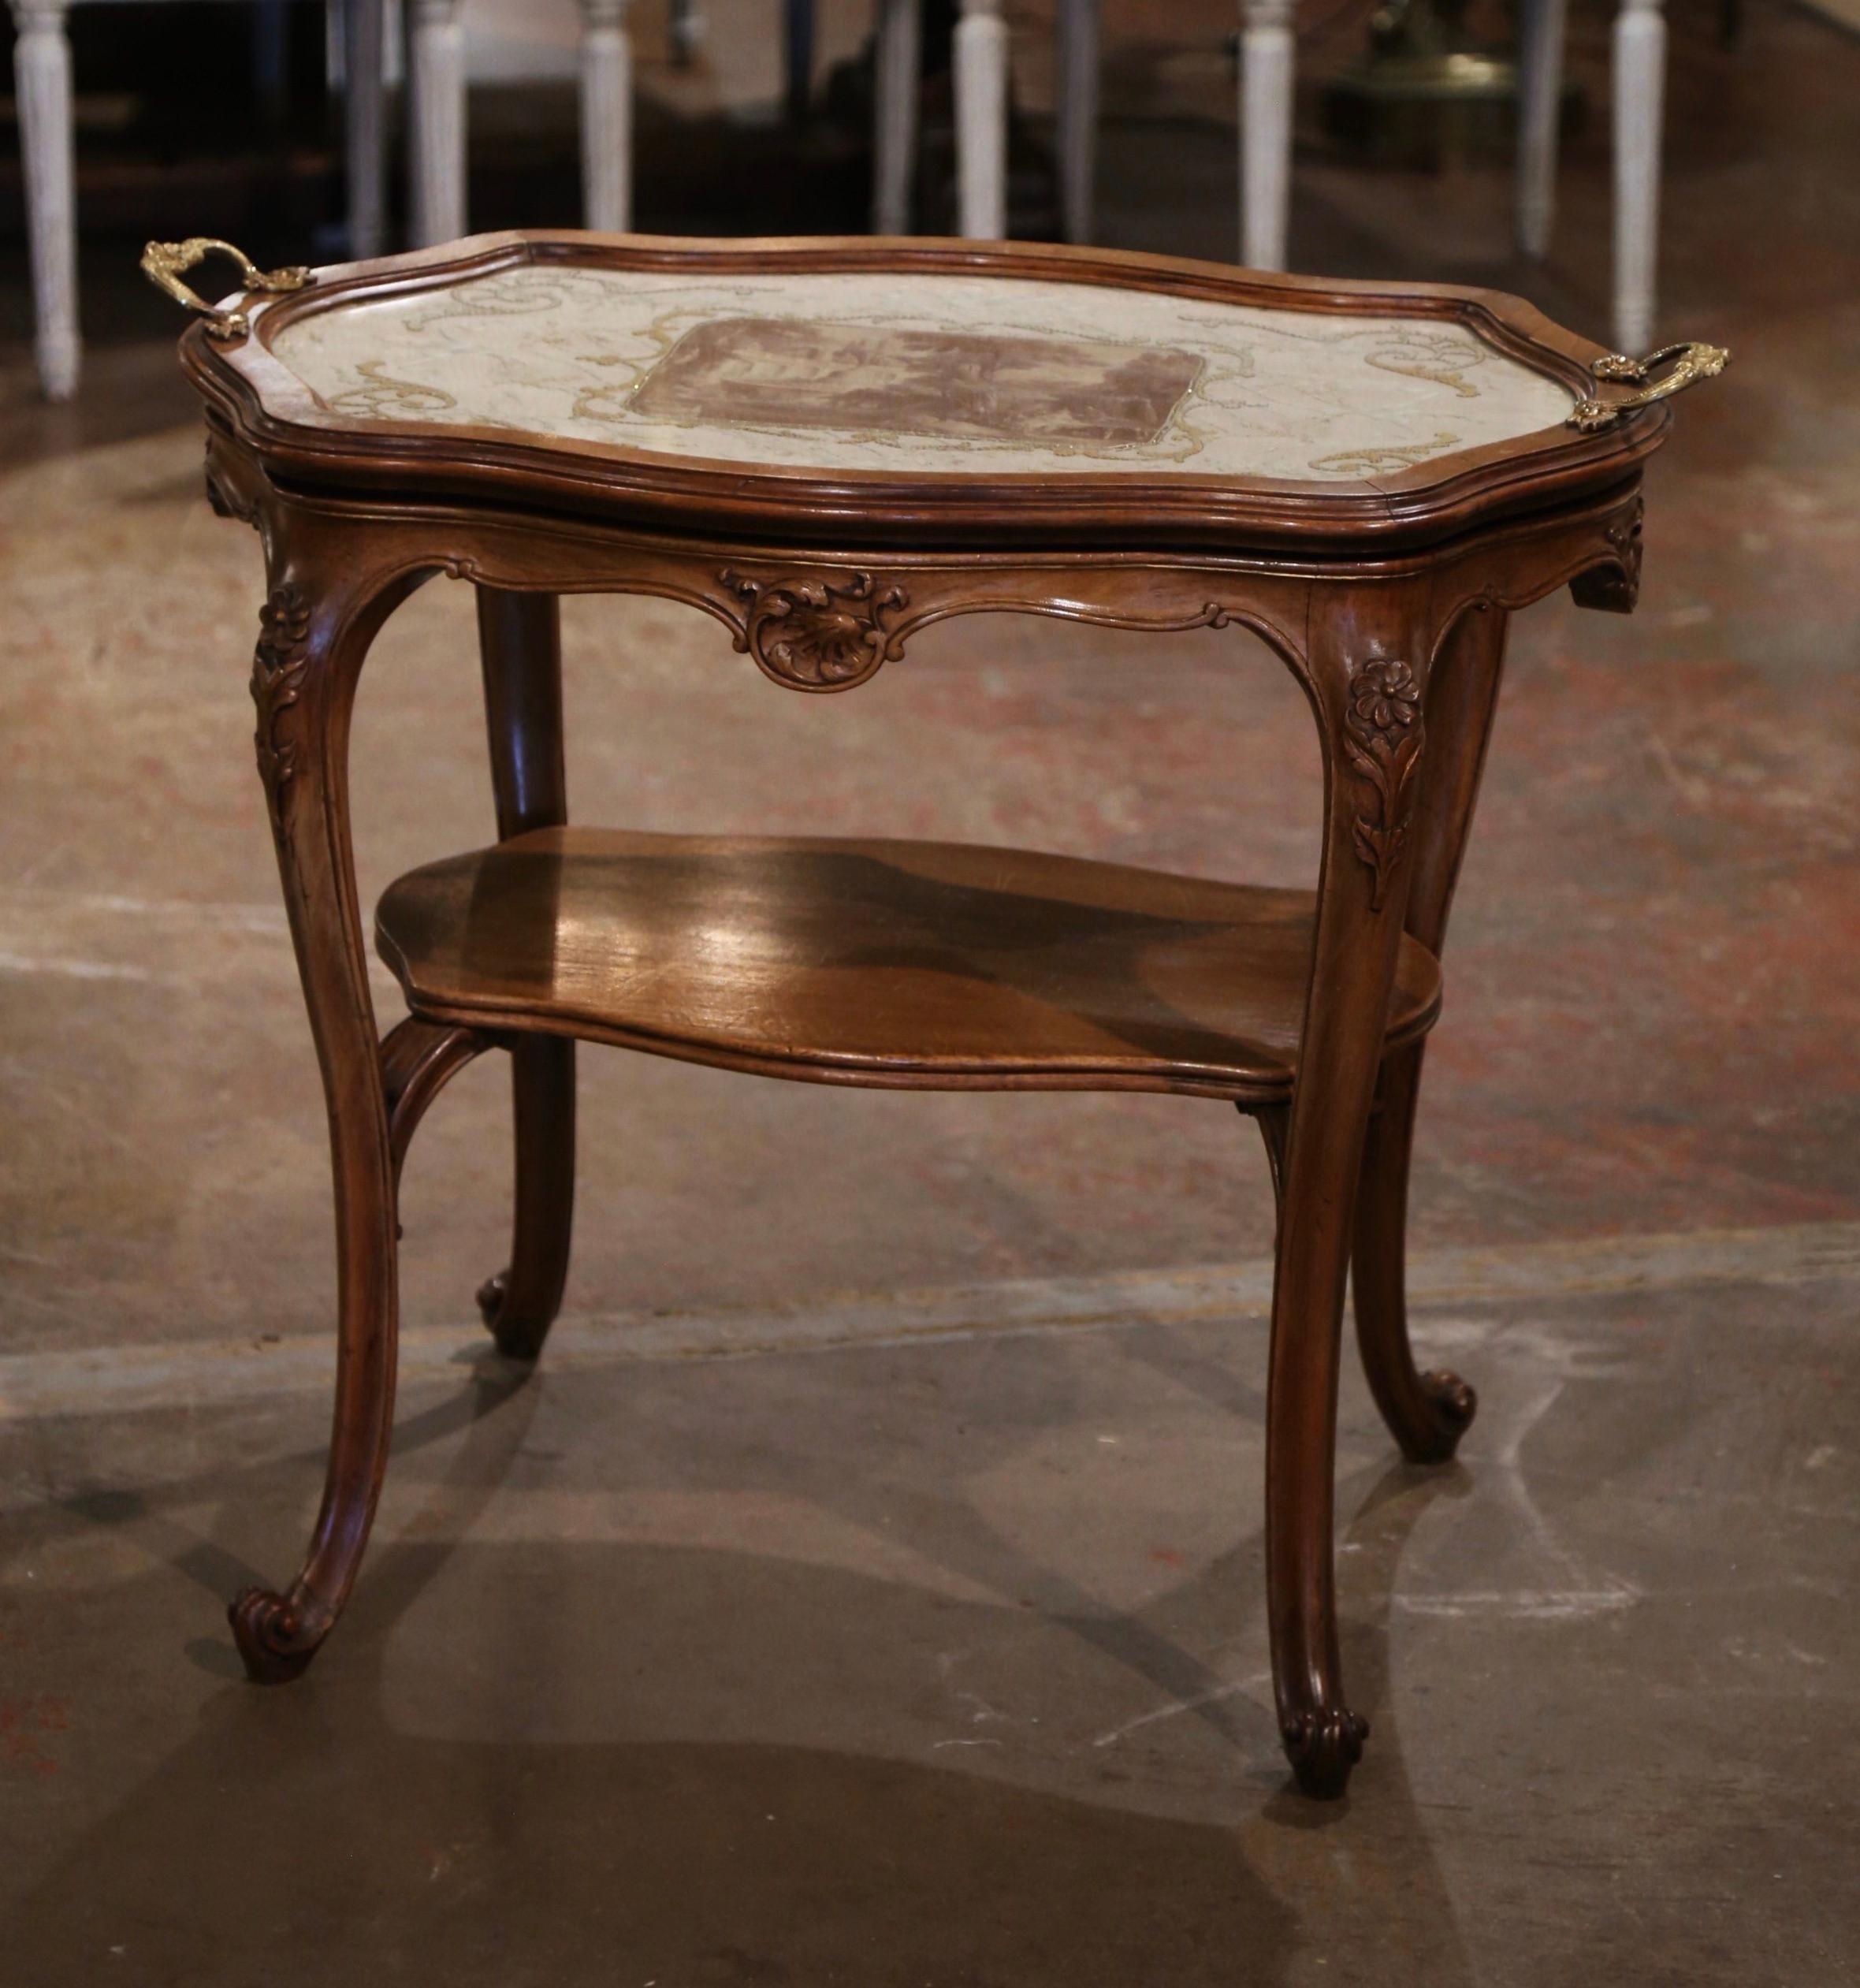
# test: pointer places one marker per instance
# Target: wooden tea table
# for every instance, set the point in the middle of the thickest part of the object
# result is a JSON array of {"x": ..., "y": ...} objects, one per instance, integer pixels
[{"x": 827, "y": 445}]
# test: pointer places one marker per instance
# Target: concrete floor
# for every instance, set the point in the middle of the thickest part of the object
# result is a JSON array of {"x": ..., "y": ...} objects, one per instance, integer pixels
[
  {"x": 938, "y": 1657},
  {"x": 868, "y": 1591}
]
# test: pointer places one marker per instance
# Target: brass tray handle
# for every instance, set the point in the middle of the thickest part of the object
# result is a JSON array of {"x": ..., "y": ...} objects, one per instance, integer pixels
[
  {"x": 163, "y": 262},
  {"x": 1690, "y": 363}
]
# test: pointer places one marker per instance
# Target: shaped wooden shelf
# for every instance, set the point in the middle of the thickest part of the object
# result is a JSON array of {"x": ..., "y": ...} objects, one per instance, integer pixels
[{"x": 899, "y": 964}]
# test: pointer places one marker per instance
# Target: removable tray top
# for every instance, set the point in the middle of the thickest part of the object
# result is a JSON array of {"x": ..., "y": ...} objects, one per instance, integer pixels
[{"x": 939, "y": 382}]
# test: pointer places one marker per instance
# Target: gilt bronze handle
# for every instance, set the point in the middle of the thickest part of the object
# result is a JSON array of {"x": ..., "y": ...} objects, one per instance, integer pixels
[
  {"x": 1680, "y": 367},
  {"x": 163, "y": 262}
]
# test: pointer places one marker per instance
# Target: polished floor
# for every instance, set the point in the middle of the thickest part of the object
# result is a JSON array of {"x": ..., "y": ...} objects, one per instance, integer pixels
[{"x": 867, "y": 1590}]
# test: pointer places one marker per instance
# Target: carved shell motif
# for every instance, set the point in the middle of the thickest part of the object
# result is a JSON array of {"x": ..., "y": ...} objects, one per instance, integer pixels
[
  {"x": 824, "y": 632},
  {"x": 278, "y": 665},
  {"x": 1382, "y": 737}
]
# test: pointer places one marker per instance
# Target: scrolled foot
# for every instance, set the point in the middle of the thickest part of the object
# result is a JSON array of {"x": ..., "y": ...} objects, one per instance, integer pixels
[
  {"x": 1451, "y": 1405},
  {"x": 490, "y": 1298},
  {"x": 516, "y": 1339},
  {"x": 1322, "y": 1747},
  {"x": 274, "y": 1639}
]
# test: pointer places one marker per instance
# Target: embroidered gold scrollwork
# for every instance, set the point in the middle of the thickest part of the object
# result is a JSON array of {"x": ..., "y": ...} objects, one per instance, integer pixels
[
  {"x": 1386, "y": 462},
  {"x": 381, "y": 396}
]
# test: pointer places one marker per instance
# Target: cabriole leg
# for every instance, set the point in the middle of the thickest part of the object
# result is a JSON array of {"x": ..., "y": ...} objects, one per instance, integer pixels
[
  {"x": 316, "y": 626},
  {"x": 1427, "y": 1413},
  {"x": 1367, "y": 692},
  {"x": 519, "y": 638}
]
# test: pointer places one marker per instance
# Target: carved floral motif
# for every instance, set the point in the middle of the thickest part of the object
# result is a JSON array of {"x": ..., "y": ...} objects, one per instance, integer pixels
[
  {"x": 824, "y": 633},
  {"x": 278, "y": 666},
  {"x": 1382, "y": 737}
]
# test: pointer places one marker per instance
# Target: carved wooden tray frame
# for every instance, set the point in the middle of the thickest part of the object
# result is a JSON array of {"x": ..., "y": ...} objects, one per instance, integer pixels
[{"x": 301, "y": 440}]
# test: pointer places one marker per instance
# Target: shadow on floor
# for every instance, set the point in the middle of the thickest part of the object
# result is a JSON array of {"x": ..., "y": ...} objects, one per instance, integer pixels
[{"x": 311, "y": 1833}]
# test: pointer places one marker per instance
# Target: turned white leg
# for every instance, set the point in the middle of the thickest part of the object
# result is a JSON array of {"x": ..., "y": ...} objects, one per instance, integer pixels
[
  {"x": 895, "y": 138},
  {"x": 1540, "y": 94},
  {"x": 981, "y": 121},
  {"x": 1077, "y": 117},
  {"x": 1265, "y": 77},
  {"x": 41, "y": 82},
  {"x": 364, "y": 66},
  {"x": 606, "y": 116},
  {"x": 1640, "y": 85},
  {"x": 437, "y": 79}
]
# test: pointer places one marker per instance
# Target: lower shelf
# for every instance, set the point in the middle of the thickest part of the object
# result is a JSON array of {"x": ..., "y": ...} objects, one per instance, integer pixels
[{"x": 891, "y": 963}]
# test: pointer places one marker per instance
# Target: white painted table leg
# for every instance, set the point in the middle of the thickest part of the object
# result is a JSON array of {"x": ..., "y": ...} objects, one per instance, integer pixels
[
  {"x": 1266, "y": 80},
  {"x": 364, "y": 72},
  {"x": 1078, "y": 60},
  {"x": 981, "y": 121},
  {"x": 42, "y": 80},
  {"x": 437, "y": 79},
  {"x": 1540, "y": 104},
  {"x": 606, "y": 116},
  {"x": 895, "y": 140},
  {"x": 1640, "y": 85}
]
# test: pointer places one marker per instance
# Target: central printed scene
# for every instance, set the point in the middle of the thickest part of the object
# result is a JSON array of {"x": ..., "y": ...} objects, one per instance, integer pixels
[{"x": 768, "y": 372}]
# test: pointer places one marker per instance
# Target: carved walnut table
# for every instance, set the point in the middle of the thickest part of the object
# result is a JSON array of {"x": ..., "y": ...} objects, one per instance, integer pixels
[{"x": 828, "y": 445}]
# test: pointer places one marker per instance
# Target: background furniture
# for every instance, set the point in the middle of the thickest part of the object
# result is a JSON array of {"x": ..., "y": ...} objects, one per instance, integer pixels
[
  {"x": 1377, "y": 477},
  {"x": 437, "y": 139},
  {"x": 981, "y": 70},
  {"x": 437, "y": 79},
  {"x": 1266, "y": 101},
  {"x": 436, "y": 119},
  {"x": 42, "y": 84},
  {"x": 981, "y": 64},
  {"x": 1639, "y": 119},
  {"x": 1267, "y": 78}
]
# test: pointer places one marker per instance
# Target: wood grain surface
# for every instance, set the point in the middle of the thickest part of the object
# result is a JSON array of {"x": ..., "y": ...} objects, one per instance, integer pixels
[{"x": 879, "y": 962}]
